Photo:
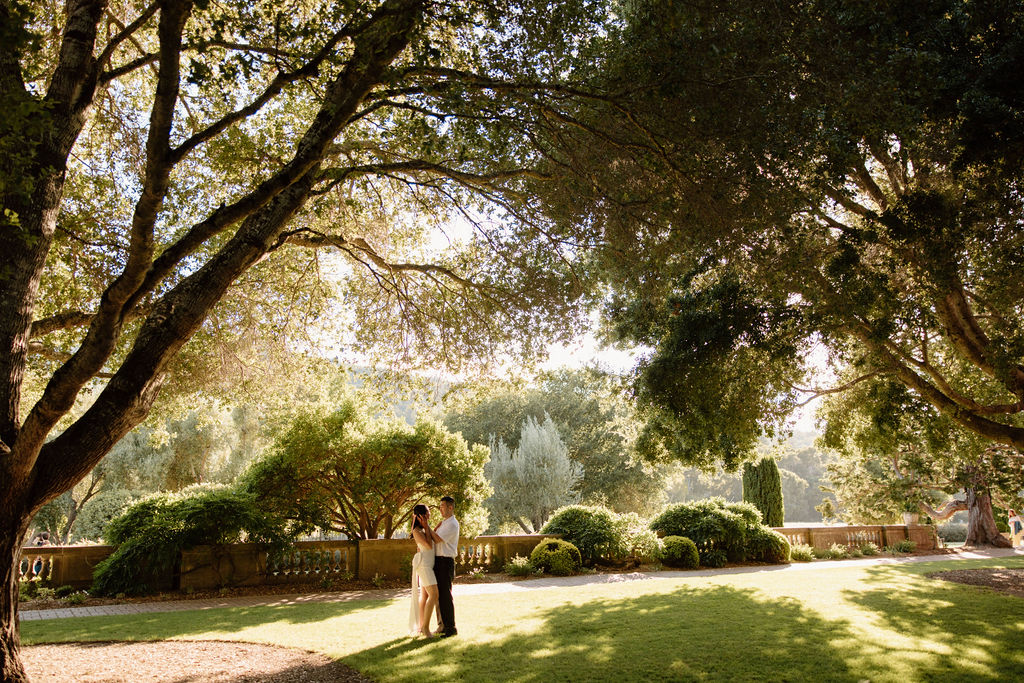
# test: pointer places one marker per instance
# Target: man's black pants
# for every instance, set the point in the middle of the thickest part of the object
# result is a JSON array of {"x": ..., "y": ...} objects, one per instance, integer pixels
[{"x": 444, "y": 570}]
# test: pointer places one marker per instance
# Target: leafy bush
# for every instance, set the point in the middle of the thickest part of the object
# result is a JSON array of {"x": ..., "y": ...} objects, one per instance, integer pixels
[
  {"x": 904, "y": 546},
  {"x": 77, "y": 598},
  {"x": 63, "y": 591},
  {"x": 557, "y": 557},
  {"x": 679, "y": 551},
  {"x": 518, "y": 566},
  {"x": 27, "y": 590},
  {"x": 713, "y": 558},
  {"x": 838, "y": 551},
  {"x": 591, "y": 528},
  {"x": 801, "y": 552},
  {"x": 868, "y": 548},
  {"x": 767, "y": 545},
  {"x": 152, "y": 533},
  {"x": 634, "y": 538}
]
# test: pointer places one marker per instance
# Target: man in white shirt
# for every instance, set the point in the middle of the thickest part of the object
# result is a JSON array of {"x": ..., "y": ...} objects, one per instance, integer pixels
[{"x": 446, "y": 547}]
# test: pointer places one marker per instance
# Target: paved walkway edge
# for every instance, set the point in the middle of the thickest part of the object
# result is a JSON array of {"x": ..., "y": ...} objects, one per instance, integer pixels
[{"x": 492, "y": 588}]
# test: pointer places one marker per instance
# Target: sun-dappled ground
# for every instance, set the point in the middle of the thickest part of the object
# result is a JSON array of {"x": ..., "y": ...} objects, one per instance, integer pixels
[
  {"x": 181, "y": 661},
  {"x": 841, "y": 623}
]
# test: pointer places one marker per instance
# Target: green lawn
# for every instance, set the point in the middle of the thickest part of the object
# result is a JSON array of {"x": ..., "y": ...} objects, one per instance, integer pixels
[{"x": 881, "y": 623}]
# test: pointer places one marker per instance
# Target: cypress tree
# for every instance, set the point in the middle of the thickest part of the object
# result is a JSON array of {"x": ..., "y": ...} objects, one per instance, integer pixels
[{"x": 762, "y": 486}]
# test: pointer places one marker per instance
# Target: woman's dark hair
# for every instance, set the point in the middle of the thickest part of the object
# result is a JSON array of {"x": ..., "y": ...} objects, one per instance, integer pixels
[{"x": 416, "y": 511}]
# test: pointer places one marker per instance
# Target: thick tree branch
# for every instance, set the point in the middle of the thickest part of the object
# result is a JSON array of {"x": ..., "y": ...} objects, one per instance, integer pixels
[
  {"x": 128, "y": 396},
  {"x": 893, "y": 169},
  {"x": 104, "y": 330},
  {"x": 818, "y": 392},
  {"x": 966, "y": 334},
  {"x": 842, "y": 200},
  {"x": 996, "y": 431},
  {"x": 948, "y": 509}
]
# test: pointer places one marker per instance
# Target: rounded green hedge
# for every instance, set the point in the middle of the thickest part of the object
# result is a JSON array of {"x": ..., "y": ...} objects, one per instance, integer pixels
[
  {"x": 767, "y": 545},
  {"x": 557, "y": 557},
  {"x": 679, "y": 551}
]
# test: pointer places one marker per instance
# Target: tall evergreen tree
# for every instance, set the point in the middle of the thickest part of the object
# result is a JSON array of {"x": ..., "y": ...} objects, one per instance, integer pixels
[{"x": 762, "y": 486}]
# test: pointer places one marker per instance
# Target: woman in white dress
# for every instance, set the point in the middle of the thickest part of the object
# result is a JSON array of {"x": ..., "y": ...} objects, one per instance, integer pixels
[{"x": 424, "y": 601}]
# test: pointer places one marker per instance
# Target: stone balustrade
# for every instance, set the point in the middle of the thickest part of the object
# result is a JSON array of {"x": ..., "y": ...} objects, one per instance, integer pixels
[
  {"x": 923, "y": 536},
  {"x": 243, "y": 564}
]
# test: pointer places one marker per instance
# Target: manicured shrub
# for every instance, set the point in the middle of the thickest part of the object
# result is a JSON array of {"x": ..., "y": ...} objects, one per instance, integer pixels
[
  {"x": 557, "y": 557},
  {"x": 591, "y": 528},
  {"x": 713, "y": 558},
  {"x": 152, "y": 533},
  {"x": 710, "y": 523},
  {"x": 762, "y": 487},
  {"x": 678, "y": 551},
  {"x": 767, "y": 545},
  {"x": 868, "y": 548},
  {"x": 801, "y": 552},
  {"x": 63, "y": 591}
]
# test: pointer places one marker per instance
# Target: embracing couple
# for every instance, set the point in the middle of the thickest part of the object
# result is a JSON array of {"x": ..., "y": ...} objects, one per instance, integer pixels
[{"x": 433, "y": 569}]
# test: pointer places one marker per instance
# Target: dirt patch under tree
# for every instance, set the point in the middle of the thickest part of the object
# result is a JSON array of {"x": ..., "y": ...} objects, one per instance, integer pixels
[
  {"x": 179, "y": 661},
  {"x": 1009, "y": 581}
]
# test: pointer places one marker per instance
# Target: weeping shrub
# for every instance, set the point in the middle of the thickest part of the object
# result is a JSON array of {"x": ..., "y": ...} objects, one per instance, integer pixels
[
  {"x": 151, "y": 534},
  {"x": 557, "y": 557}
]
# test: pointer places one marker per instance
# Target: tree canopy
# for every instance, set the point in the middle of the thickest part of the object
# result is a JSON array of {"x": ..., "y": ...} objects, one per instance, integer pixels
[
  {"x": 342, "y": 471},
  {"x": 594, "y": 418},
  {"x": 785, "y": 177}
]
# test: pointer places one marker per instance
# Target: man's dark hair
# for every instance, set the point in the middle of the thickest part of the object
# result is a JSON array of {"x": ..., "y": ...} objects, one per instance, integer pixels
[{"x": 448, "y": 499}]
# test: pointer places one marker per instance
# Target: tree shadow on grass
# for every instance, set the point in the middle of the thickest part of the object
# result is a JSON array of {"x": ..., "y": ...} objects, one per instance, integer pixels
[
  {"x": 717, "y": 633},
  {"x": 162, "y": 625},
  {"x": 975, "y": 633}
]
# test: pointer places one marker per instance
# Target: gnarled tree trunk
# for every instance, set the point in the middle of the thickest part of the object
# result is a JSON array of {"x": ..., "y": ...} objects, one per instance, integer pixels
[
  {"x": 981, "y": 524},
  {"x": 13, "y": 525}
]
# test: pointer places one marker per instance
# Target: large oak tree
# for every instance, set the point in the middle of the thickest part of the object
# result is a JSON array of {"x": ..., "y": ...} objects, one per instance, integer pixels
[
  {"x": 154, "y": 156},
  {"x": 791, "y": 175}
]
